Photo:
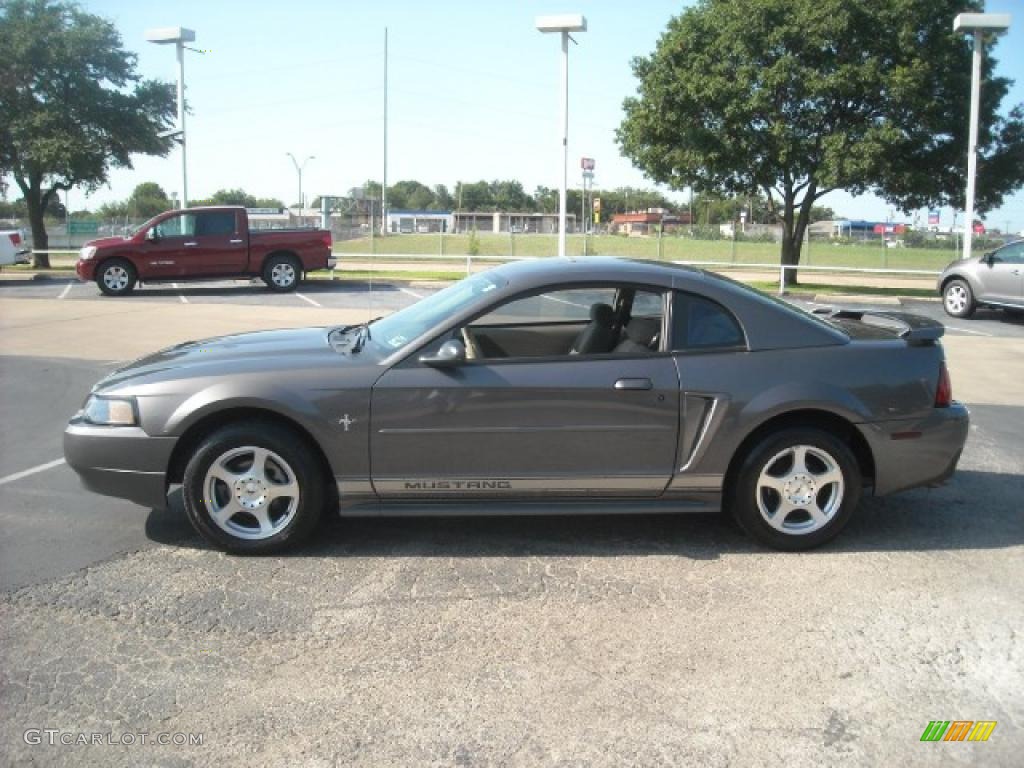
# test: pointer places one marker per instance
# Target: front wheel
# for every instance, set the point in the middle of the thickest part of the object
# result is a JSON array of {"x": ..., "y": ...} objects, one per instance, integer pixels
[
  {"x": 253, "y": 489},
  {"x": 116, "y": 277},
  {"x": 958, "y": 299},
  {"x": 797, "y": 489},
  {"x": 282, "y": 273}
]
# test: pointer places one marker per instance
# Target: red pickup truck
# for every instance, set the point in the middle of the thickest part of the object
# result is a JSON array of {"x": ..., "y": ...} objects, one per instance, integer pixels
[{"x": 204, "y": 244}]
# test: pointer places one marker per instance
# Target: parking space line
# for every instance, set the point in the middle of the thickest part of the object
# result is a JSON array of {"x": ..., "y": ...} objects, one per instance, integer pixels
[
  {"x": 67, "y": 289},
  {"x": 31, "y": 471},
  {"x": 969, "y": 330},
  {"x": 180, "y": 295},
  {"x": 309, "y": 300},
  {"x": 411, "y": 293}
]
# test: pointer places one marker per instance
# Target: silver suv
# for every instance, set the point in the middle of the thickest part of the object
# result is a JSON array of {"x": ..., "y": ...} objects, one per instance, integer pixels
[{"x": 994, "y": 279}]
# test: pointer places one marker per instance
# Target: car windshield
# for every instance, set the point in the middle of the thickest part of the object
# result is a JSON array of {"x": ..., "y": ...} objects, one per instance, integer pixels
[{"x": 399, "y": 329}]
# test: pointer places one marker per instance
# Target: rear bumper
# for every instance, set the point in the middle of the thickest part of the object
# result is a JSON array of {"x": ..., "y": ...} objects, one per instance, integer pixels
[
  {"x": 910, "y": 453},
  {"x": 332, "y": 262},
  {"x": 120, "y": 461}
]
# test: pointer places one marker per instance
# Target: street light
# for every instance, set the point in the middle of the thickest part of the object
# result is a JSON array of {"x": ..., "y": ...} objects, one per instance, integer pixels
[
  {"x": 564, "y": 24},
  {"x": 299, "y": 169},
  {"x": 976, "y": 24},
  {"x": 179, "y": 36}
]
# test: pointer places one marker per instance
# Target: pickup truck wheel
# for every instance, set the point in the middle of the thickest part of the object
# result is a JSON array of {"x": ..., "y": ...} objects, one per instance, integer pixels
[
  {"x": 253, "y": 489},
  {"x": 797, "y": 489},
  {"x": 116, "y": 277},
  {"x": 958, "y": 299},
  {"x": 282, "y": 273}
]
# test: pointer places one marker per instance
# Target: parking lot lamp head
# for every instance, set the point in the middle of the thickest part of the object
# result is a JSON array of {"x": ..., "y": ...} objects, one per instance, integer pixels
[
  {"x": 177, "y": 36},
  {"x": 977, "y": 25},
  {"x": 563, "y": 24}
]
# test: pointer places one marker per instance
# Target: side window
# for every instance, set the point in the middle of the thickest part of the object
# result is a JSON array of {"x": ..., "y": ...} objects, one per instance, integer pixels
[
  {"x": 182, "y": 225},
  {"x": 215, "y": 223},
  {"x": 566, "y": 306},
  {"x": 601, "y": 320},
  {"x": 1011, "y": 254},
  {"x": 702, "y": 324}
]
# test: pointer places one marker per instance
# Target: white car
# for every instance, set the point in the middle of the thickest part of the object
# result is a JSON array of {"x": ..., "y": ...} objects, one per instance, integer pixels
[{"x": 13, "y": 249}]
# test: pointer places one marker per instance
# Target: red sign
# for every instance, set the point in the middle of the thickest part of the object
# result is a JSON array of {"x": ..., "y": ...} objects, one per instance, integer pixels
[
  {"x": 879, "y": 229},
  {"x": 979, "y": 228}
]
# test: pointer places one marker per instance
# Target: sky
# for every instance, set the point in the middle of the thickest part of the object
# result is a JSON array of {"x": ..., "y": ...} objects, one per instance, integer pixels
[{"x": 473, "y": 93}]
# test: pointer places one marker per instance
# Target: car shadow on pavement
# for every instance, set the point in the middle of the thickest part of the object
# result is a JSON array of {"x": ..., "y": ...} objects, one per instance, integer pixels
[{"x": 977, "y": 510}]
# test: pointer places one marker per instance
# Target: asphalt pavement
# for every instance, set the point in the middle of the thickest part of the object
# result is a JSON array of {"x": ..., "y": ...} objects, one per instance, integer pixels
[{"x": 565, "y": 641}]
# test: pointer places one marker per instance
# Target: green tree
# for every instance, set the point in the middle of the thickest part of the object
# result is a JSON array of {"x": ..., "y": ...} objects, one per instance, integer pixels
[
  {"x": 71, "y": 104},
  {"x": 147, "y": 200},
  {"x": 794, "y": 98}
]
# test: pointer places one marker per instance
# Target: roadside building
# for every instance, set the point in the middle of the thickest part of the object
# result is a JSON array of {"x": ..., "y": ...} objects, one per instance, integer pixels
[
  {"x": 401, "y": 222},
  {"x": 643, "y": 223},
  {"x": 516, "y": 223}
]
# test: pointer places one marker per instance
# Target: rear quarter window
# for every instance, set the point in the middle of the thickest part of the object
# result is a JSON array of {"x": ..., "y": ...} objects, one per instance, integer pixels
[{"x": 700, "y": 324}]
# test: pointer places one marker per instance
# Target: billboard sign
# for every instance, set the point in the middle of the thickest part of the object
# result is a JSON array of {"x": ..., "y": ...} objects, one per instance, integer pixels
[{"x": 587, "y": 163}]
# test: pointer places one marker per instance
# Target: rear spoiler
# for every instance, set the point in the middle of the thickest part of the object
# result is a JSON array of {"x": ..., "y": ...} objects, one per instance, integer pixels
[{"x": 914, "y": 329}]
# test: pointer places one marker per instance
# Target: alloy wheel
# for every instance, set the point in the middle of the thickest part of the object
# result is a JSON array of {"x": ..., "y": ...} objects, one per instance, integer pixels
[
  {"x": 251, "y": 492},
  {"x": 800, "y": 489},
  {"x": 283, "y": 275},
  {"x": 956, "y": 299},
  {"x": 116, "y": 278}
]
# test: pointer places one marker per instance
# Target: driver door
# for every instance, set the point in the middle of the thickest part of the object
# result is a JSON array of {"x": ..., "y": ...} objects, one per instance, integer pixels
[{"x": 518, "y": 425}]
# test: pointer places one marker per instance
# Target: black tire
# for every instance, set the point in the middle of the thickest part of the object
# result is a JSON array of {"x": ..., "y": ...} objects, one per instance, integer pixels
[
  {"x": 282, "y": 273},
  {"x": 958, "y": 298},
  {"x": 116, "y": 277},
  {"x": 300, "y": 465},
  {"x": 747, "y": 498}
]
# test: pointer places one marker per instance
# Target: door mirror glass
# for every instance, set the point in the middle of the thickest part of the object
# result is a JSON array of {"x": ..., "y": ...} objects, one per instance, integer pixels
[{"x": 450, "y": 354}]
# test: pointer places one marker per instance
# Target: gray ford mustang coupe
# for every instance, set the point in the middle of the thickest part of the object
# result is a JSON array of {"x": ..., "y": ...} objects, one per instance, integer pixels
[{"x": 544, "y": 386}]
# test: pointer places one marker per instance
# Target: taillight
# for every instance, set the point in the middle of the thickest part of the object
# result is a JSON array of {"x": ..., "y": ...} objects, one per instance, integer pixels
[
  {"x": 15, "y": 238},
  {"x": 944, "y": 390},
  {"x": 327, "y": 238}
]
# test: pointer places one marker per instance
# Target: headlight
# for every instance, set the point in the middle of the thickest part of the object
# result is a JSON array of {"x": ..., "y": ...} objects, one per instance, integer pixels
[
  {"x": 87, "y": 252},
  {"x": 110, "y": 411}
]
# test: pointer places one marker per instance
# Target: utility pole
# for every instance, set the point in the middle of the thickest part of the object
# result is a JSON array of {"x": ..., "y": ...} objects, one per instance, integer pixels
[{"x": 384, "y": 186}]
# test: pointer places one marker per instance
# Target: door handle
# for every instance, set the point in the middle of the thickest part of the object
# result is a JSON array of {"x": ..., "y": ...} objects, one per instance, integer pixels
[
  {"x": 191, "y": 245},
  {"x": 235, "y": 241},
  {"x": 634, "y": 384}
]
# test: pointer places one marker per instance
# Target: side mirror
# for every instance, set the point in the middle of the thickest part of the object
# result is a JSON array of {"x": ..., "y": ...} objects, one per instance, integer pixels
[
  {"x": 151, "y": 235},
  {"x": 451, "y": 354}
]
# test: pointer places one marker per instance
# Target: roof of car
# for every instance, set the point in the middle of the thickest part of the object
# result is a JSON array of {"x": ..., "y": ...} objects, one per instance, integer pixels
[{"x": 597, "y": 268}]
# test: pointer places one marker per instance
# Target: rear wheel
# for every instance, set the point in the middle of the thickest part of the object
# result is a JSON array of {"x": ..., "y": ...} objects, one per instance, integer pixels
[
  {"x": 116, "y": 277},
  {"x": 253, "y": 489},
  {"x": 797, "y": 489},
  {"x": 282, "y": 273},
  {"x": 958, "y": 299}
]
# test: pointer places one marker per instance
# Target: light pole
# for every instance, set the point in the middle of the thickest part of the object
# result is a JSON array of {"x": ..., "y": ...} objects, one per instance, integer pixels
[
  {"x": 976, "y": 24},
  {"x": 179, "y": 36},
  {"x": 299, "y": 168},
  {"x": 564, "y": 24}
]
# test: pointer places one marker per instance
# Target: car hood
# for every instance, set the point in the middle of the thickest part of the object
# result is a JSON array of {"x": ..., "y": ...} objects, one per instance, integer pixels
[
  {"x": 103, "y": 242},
  {"x": 243, "y": 353}
]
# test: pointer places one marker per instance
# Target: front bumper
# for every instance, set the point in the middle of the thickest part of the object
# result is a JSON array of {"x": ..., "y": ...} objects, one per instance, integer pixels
[
  {"x": 910, "y": 453},
  {"x": 120, "y": 461},
  {"x": 86, "y": 269}
]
